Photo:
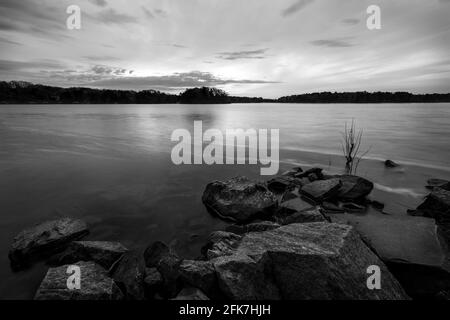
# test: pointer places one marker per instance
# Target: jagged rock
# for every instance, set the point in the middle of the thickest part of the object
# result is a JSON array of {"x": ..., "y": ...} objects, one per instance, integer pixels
[
  {"x": 330, "y": 207},
  {"x": 154, "y": 253},
  {"x": 316, "y": 171},
  {"x": 44, "y": 239},
  {"x": 322, "y": 190},
  {"x": 152, "y": 282},
  {"x": 95, "y": 284},
  {"x": 261, "y": 226},
  {"x": 199, "y": 274},
  {"x": 191, "y": 294},
  {"x": 103, "y": 253},
  {"x": 169, "y": 267},
  {"x": 390, "y": 164},
  {"x": 436, "y": 205},
  {"x": 307, "y": 216},
  {"x": 239, "y": 199},
  {"x": 220, "y": 243},
  {"x": 294, "y": 205},
  {"x": 438, "y": 183},
  {"x": 129, "y": 275},
  {"x": 302, "y": 261},
  {"x": 354, "y": 187},
  {"x": 280, "y": 184},
  {"x": 353, "y": 207}
]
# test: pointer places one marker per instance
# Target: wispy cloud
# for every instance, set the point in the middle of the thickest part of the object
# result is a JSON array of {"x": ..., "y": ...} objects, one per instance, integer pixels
[
  {"x": 332, "y": 43},
  {"x": 350, "y": 21},
  {"x": 295, "y": 7},
  {"x": 100, "y": 3},
  {"x": 236, "y": 55},
  {"x": 111, "y": 16}
]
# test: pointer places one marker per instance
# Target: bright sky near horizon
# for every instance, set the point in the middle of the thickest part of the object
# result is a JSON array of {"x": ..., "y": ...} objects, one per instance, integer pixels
[{"x": 262, "y": 48}]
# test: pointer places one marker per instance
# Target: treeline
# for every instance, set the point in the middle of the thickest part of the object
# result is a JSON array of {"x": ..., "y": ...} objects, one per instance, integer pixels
[
  {"x": 26, "y": 93},
  {"x": 365, "y": 97}
]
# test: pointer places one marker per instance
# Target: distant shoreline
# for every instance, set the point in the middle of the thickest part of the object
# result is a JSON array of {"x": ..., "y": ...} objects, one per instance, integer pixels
[{"x": 20, "y": 92}]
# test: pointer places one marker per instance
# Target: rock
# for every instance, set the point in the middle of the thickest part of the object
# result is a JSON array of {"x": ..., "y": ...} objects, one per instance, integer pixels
[
  {"x": 436, "y": 205},
  {"x": 191, "y": 294},
  {"x": 94, "y": 284},
  {"x": 280, "y": 184},
  {"x": 292, "y": 206},
  {"x": 315, "y": 261},
  {"x": 152, "y": 282},
  {"x": 353, "y": 207},
  {"x": 169, "y": 267},
  {"x": 154, "y": 253},
  {"x": 199, "y": 274},
  {"x": 220, "y": 243},
  {"x": 313, "y": 177},
  {"x": 316, "y": 171},
  {"x": 377, "y": 205},
  {"x": 44, "y": 239},
  {"x": 330, "y": 207},
  {"x": 103, "y": 253},
  {"x": 239, "y": 199},
  {"x": 322, "y": 189},
  {"x": 261, "y": 226},
  {"x": 438, "y": 183},
  {"x": 390, "y": 164},
  {"x": 307, "y": 216},
  {"x": 129, "y": 275},
  {"x": 354, "y": 187}
]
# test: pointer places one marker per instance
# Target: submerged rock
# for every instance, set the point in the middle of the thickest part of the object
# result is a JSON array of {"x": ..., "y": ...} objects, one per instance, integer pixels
[
  {"x": 390, "y": 164},
  {"x": 239, "y": 199},
  {"x": 102, "y": 252},
  {"x": 438, "y": 183},
  {"x": 95, "y": 284},
  {"x": 322, "y": 189},
  {"x": 129, "y": 275},
  {"x": 354, "y": 187},
  {"x": 44, "y": 239},
  {"x": 302, "y": 261},
  {"x": 436, "y": 205}
]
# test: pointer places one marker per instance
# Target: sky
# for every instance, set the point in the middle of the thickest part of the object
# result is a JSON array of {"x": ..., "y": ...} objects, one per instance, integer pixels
[{"x": 261, "y": 48}]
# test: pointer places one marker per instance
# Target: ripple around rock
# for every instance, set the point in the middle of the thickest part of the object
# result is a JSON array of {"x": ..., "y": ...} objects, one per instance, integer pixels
[
  {"x": 44, "y": 239},
  {"x": 95, "y": 284},
  {"x": 302, "y": 261}
]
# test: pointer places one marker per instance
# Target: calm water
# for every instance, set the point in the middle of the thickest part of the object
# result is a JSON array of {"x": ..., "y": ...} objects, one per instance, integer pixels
[{"x": 110, "y": 165}]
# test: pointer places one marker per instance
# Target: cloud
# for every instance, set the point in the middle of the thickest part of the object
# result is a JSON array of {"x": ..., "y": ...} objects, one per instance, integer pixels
[
  {"x": 100, "y": 3},
  {"x": 236, "y": 55},
  {"x": 101, "y": 58},
  {"x": 4, "y": 40},
  {"x": 350, "y": 21},
  {"x": 295, "y": 7},
  {"x": 14, "y": 65},
  {"x": 111, "y": 16},
  {"x": 332, "y": 43},
  {"x": 171, "y": 82}
]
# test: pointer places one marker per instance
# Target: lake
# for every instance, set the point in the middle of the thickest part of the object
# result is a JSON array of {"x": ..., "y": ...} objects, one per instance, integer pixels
[{"x": 110, "y": 165}]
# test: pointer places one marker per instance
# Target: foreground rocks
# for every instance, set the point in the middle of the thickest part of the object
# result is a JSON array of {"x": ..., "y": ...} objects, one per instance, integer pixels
[
  {"x": 300, "y": 261},
  {"x": 45, "y": 239},
  {"x": 239, "y": 199},
  {"x": 95, "y": 284},
  {"x": 436, "y": 205}
]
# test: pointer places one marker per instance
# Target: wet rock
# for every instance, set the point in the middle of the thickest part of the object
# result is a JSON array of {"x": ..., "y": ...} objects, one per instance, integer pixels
[
  {"x": 220, "y": 243},
  {"x": 129, "y": 275},
  {"x": 436, "y": 205},
  {"x": 191, "y": 294},
  {"x": 353, "y": 207},
  {"x": 169, "y": 267},
  {"x": 354, "y": 187},
  {"x": 376, "y": 204},
  {"x": 438, "y": 183},
  {"x": 95, "y": 284},
  {"x": 44, "y": 239},
  {"x": 281, "y": 184},
  {"x": 261, "y": 226},
  {"x": 330, "y": 207},
  {"x": 316, "y": 171},
  {"x": 313, "y": 177},
  {"x": 302, "y": 261},
  {"x": 307, "y": 216},
  {"x": 390, "y": 164},
  {"x": 239, "y": 199},
  {"x": 154, "y": 253},
  {"x": 199, "y": 274},
  {"x": 292, "y": 206},
  {"x": 322, "y": 190},
  {"x": 103, "y": 253},
  {"x": 152, "y": 281}
]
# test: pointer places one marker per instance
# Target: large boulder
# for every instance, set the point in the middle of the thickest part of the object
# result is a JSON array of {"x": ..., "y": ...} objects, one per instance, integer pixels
[
  {"x": 44, "y": 239},
  {"x": 354, "y": 187},
  {"x": 102, "y": 252},
  {"x": 303, "y": 261},
  {"x": 322, "y": 189},
  {"x": 436, "y": 205},
  {"x": 199, "y": 274},
  {"x": 239, "y": 199},
  {"x": 95, "y": 284},
  {"x": 129, "y": 274},
  {"x": 307, "y": 216}
]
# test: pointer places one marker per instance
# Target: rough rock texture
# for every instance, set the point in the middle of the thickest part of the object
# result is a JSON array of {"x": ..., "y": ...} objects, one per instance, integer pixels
[
  {"x": 354, "y": 187},
  {"x": 307, "y": 216},
  {"x": 316, "y": 171},
  {"x": 152, "y": 282},
  {"x": 103, "y": 253},
  {"x": 302, "y": 261},
  {"x": 220, "y": 243},
  {"x": 292, "y": 206},
  {"x": 199, "y": 274},
  {"x": 169, "y": 267},
  {"x": 281, "y": 184},
  {"x": 438, "y": 183},
  {"x": 322, "y": 189},
  {"x": 437, "y": 205},
  {"x": 154, "y": 253},
  {"x": 129, "y": 275},
  {"x": 191, "y": 294},
  {"x": 239, "y": 199},
  {"x": 94, "y": 284},
  {"x": 261, "y": 226},
  {"x": 44, "y": 239}
]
